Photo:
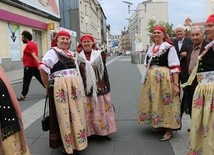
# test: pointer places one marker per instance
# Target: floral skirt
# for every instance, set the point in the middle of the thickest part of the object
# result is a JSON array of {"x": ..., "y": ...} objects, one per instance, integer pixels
[
  {"x": 100, "y": 115},
  {"x": 12, "y": 146},
  {"x": 68, "y": 97},
  {"x": 202, "y": 124},
  {"x": 158, "y": 105}
]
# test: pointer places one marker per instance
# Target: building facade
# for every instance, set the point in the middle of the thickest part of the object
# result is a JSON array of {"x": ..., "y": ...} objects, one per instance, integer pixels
[
  {"x": 88, "y": 17},
  {"x": 44, "y": 19},
  {"x": 125, "y": 41},
  {"x": 115, "y": 44},
  {"x": 209, "y": 7},
  {"x": 34, "y": 16},
  {"x": 138, "y": 22}
]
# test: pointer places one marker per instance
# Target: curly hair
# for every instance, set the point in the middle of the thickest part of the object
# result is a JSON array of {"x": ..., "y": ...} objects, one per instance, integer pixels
[{"x": 27, "y": 35}]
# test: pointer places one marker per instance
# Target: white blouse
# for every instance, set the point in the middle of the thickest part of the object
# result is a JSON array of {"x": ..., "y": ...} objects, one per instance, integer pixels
[
  {"x": 173, "y": 60},
  {"x": 51, "y": 58}
]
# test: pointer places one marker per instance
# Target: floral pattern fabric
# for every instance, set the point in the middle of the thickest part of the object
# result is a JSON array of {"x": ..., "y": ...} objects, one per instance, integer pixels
[
  {"x": 158, "y": 105},
  {"x": 70, "y": 112},
  {"x": 100, "y": 115},
  {"x": 11, "y": 146},
  {"x": 202, "y": 124}
]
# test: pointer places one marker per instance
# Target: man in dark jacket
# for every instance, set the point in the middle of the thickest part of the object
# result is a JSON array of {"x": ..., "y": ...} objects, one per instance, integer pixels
[
  {"x": 181, "y": 43},
  {"x": 197, "y": 47}
]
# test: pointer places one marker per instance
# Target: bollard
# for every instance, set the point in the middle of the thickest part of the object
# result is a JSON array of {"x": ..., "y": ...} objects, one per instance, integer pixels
[
  {"x": 131, "y": 57},
  {"x": 143, "y": 58},
  {"x": 135, "y": 59}
]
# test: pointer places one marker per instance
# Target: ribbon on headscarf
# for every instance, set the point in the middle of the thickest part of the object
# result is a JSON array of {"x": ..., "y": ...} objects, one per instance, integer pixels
[{"x": 194, "y": 72}]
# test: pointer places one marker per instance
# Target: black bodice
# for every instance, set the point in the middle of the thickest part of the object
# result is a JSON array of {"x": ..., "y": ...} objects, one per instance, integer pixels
[
  {"x": 161, "y": 60},
  {"x": 63, "y": 63},
  {"x": 206, "y": 63}
]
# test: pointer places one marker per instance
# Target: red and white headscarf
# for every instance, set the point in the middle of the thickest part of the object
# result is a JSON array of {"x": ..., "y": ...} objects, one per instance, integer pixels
[
  {"x": 83, "y": 38},
  {"x": 87, "y": 37},
  {"x": 162, "y": 29},
  {"x": 210, "y": 19},
  {"x": 60, "y": 33}
]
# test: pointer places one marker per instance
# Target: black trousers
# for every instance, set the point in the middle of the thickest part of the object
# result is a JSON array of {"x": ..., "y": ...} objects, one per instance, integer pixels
[
  {"x": 184, "y": 100},
  {"x": 185, "y": 105},
  {"x": 29, "y": 72}
]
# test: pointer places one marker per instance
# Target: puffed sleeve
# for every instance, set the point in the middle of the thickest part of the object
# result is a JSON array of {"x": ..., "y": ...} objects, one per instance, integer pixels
[
  {"x": 173, "y": 60},
  {"x": 48, "y": 61}
]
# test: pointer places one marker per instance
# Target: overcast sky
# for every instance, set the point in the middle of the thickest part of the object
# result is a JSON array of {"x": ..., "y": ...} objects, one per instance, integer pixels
[{"x": 116, "y": 12}]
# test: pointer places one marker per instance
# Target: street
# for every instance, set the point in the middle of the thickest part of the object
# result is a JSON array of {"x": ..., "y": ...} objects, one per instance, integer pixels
[{"x": 132, "y": 138}]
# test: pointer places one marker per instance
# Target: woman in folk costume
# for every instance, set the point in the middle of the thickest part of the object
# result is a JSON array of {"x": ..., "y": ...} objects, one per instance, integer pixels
[
  {"x": 12, "y": 140},
  {"x": 202, "y": 124},
  {"x": 100, "y": 113},
  {"x": 61, "y": 77},
  {"x": 159, "y": 100}
]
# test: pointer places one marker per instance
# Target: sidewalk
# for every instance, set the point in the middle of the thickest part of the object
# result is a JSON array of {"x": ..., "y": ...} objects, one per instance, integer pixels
[
  {"x": 132, "y": 138},
  {"x": 15, "y": 76}
]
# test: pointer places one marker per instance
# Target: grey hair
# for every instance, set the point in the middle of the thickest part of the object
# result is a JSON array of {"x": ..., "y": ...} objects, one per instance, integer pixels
[
  {"x": 179, "y": 26},
  {"x": 202, "y": 30}
]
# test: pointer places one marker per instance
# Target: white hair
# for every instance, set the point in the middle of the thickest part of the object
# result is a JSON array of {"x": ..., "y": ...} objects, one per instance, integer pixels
[{"x": 179, "y": 26}]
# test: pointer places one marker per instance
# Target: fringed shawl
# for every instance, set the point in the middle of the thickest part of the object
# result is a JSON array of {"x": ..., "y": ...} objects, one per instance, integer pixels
[{"x": 95, "y": 60}]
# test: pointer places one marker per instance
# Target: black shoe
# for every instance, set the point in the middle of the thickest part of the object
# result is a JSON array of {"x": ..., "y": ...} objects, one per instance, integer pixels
[
  {"x": 21, "y": 98},
  {"x": 75, "y": 152},
  {"x": 107, "y": 137},
  {"x": 158, "y": 130},
  {"x": 188, "y": 130}
]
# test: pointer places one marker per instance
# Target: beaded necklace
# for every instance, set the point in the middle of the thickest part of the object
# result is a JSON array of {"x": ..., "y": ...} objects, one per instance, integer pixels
[
  {"x": 155, "y": 49},
  {"x": 70, "y": 55}
]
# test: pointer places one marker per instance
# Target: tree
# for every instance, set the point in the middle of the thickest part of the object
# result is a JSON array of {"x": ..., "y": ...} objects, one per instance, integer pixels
[{"x": 152, "y": 23}]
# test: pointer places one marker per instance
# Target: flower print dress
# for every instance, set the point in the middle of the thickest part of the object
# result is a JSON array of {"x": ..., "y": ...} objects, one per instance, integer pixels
[
  {"x": 158, "y": 105},
  {"x": 202, "y": 123},
  {"x": 100, "y": 112},
  {"x": 66, "y": 108}
]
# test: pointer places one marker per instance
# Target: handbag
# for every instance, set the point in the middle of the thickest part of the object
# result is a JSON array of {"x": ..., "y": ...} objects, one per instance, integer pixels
[{"x": 45, "y": 120}]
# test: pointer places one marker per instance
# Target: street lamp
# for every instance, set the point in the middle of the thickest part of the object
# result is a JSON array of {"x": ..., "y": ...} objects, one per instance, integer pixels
[
  {"x": 129, "y": 4},
  {"x": 144, "y": 2}
]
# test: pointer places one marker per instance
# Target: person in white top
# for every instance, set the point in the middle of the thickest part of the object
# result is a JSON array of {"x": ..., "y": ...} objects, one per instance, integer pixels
[
  {"x": 61, "y": 76},
  {"x": 159, "y": 100},
  {"x": 182, "y": 43}
]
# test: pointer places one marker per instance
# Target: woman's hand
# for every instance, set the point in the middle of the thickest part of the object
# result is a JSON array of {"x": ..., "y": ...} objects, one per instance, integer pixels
[
  {"x": 176, "y": 89},
  {"x": 183, "y": 54}
]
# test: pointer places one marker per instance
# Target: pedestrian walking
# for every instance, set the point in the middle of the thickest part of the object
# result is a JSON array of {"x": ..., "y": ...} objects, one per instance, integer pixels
[
  {"x": 159, "y": 100},
  {"x": 181, "y": 43},
  {"x": 12, "y": 140},
  {"x": 63, "y": 82},
  {"x": 202, "y": 129},
  {"x": 30, "y": 62},
  {"x": 100, "y": 112}
]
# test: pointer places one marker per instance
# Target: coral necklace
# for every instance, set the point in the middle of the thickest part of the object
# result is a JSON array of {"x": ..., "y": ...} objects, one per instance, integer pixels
[
  {"x": 68, "y": 54},
  {"x": 155, "y": 49}
]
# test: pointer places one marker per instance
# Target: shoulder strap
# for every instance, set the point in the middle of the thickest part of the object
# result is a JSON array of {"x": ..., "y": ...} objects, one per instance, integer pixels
[{"x": 57, "y": 53}]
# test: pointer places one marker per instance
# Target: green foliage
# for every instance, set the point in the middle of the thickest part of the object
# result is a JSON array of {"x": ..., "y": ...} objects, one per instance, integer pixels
[{"x": 167, "y": 26}]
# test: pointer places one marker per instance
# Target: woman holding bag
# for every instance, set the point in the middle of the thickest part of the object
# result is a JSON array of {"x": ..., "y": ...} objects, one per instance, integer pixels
[{"x": 61, "y": 77}]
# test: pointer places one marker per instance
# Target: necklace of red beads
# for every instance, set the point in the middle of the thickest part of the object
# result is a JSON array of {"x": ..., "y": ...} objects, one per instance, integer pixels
[{"x": 155, "y": 49}]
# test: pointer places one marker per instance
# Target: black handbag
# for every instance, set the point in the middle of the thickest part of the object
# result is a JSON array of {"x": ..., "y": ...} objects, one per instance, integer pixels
[{"x": 45, "y": 120}]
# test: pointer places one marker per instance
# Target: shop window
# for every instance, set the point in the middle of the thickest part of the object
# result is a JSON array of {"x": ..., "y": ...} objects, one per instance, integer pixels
[{"x": 37, "y": 38}]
